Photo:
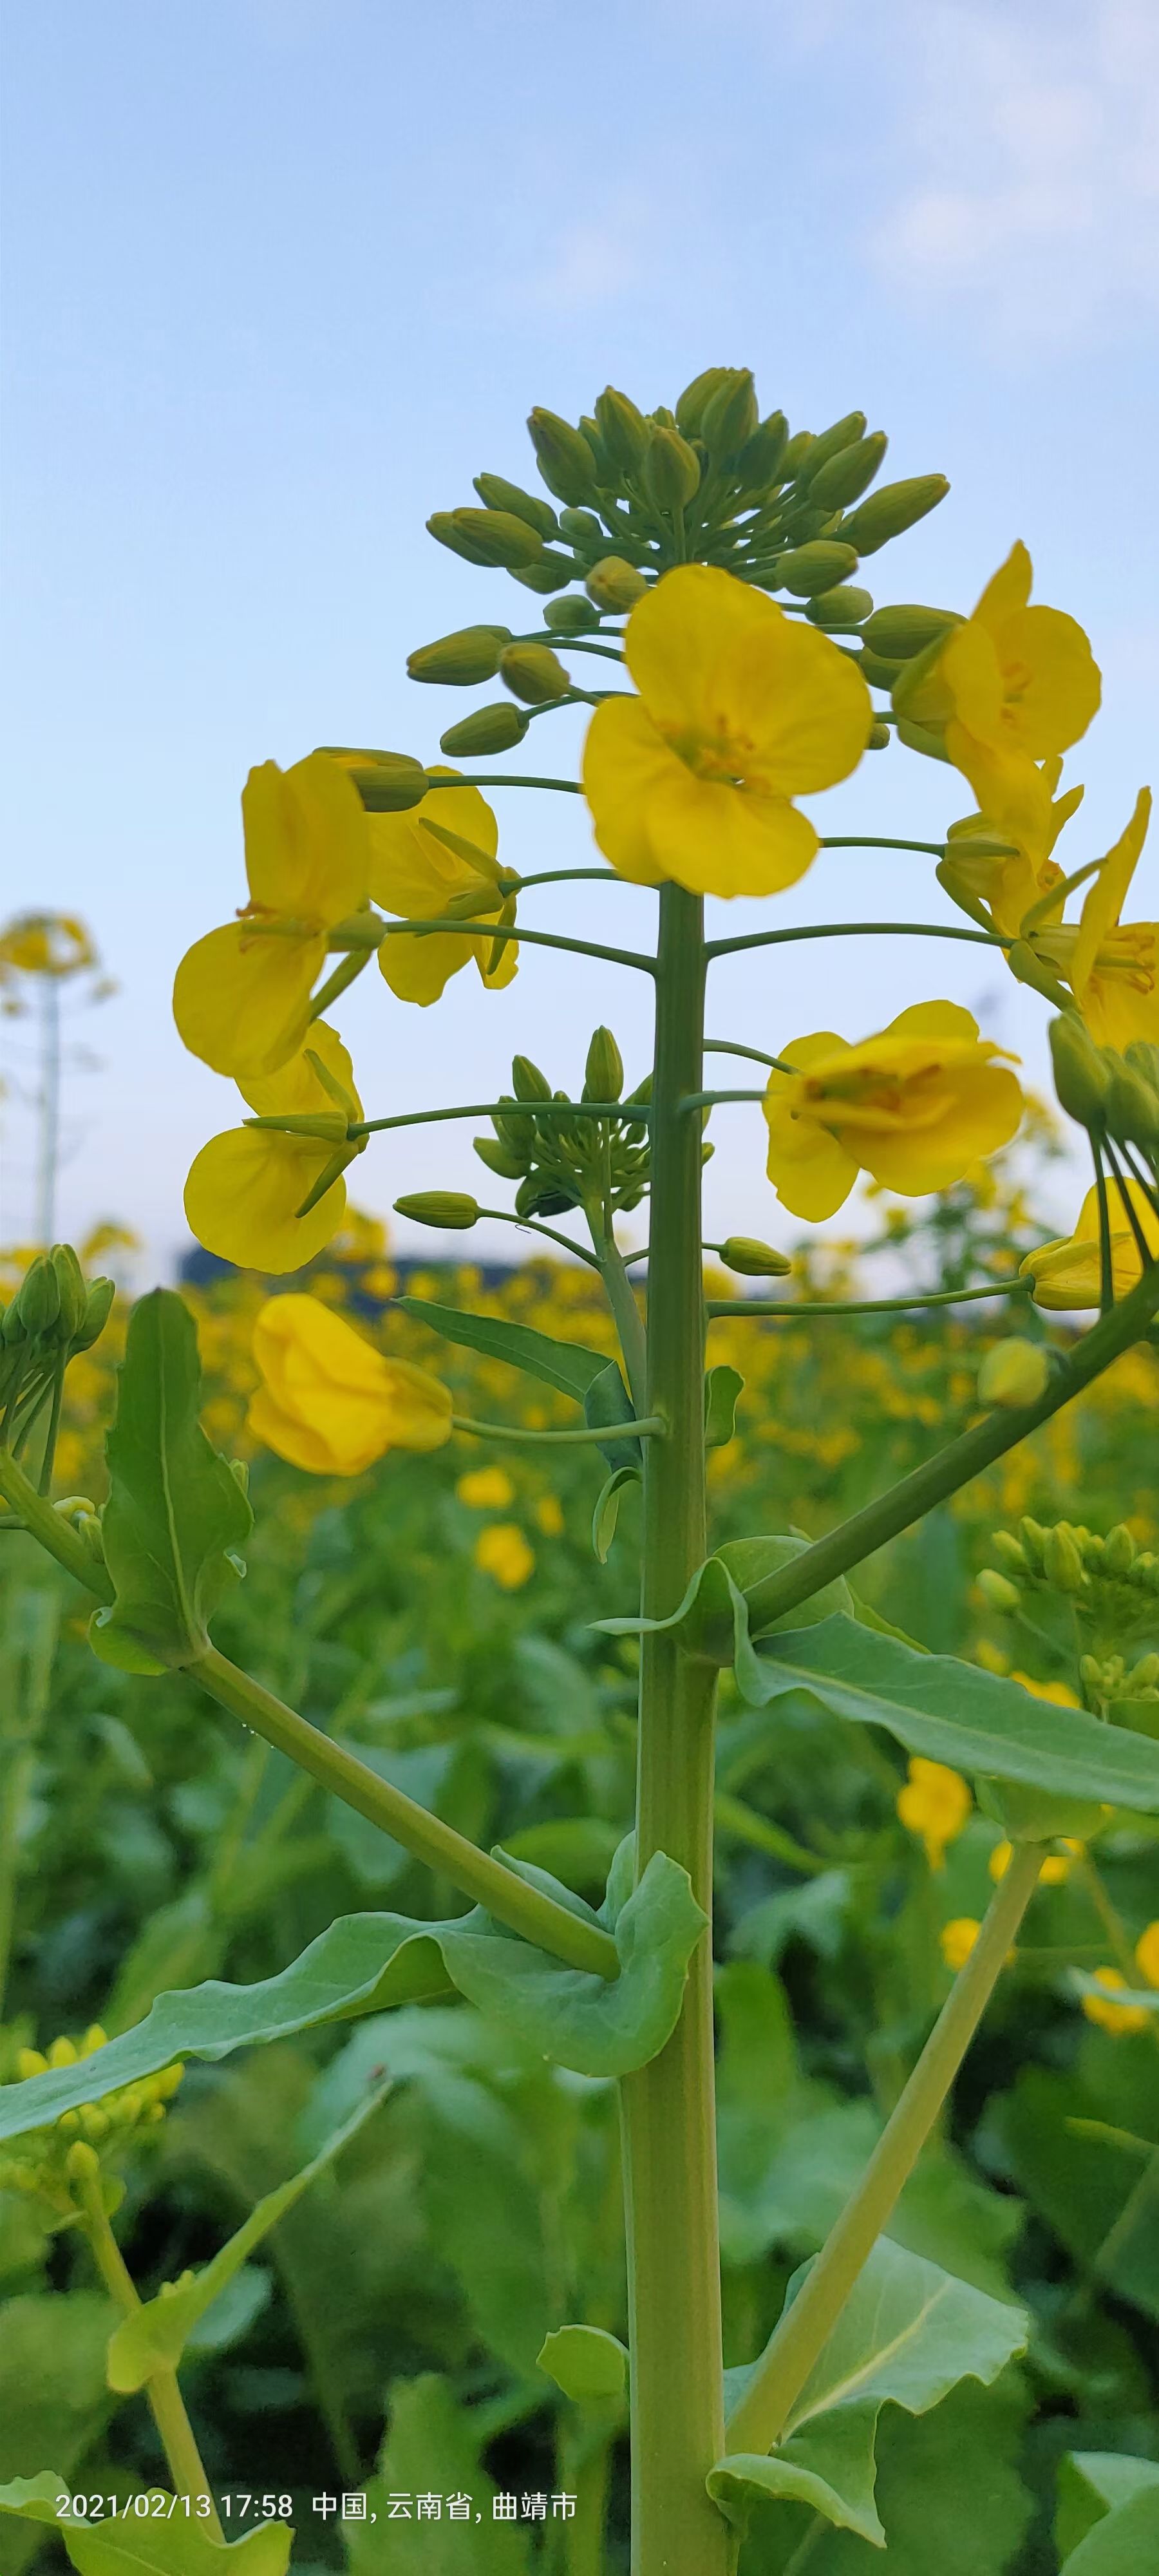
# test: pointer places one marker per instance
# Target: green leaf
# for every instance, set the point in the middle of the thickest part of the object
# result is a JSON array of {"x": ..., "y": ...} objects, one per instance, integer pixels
[
  {"x": 949, "y": 2496},
  {"x": 567, "y": 1366},
  {"x": 1092, "y": 2484},
  {"x": 607, "y": 1511},
  {"x": 953, "y": 1712},
  {"x": 712, "y": 1620},
  {"x": 144, "y": 2542},
  {"x": 831, "y": 2467},
  {"x": 723, "y": 1387},
  {"x": 53, "y": 2398},
  {"x": 364, "y": 1962},
  {"x": 589, "y": 2365},
  {"x": 176, "y": 1514},
  {"x": 1124, "y": 2543},
  {"x": 157, "y": 2332},
  {"x": 606, "y": 1402},
  {"x": 433, "y": 2447}
]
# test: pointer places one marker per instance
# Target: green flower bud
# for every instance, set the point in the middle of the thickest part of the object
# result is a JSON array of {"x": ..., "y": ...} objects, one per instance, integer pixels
[
  {"x": 730, "y": 417},
  {"x": 918, "y": 737},
  {"x": 839, "y": 609},
  {"x": 73, "y": 1293},
  {"x": 1033, "y": 1537},
  {"x": 494, "y": 728},
  {"x": 614, "y": 585},
  {"x": 895, "y": 508},
  {"x": 497, "y": 494},
  {"x": 798, "y": 449},
  {"x": 1081, "y": 1076},
  {"x": 564, "y": 457},
  {"x": 694, "y": 400},
  {"x": 509, "y": 1166},
  {"x": 846, "y": 476},
  {"x": 605, "y": 470},
  {"x": 900, "y": 633},
  {"x": 491, "y": 537},
  {"x": 753, "y": 1259},
  {"x": 671, "y": 471},
  {"x": 1061, "y": 1562},
  {"x": 604, "y": 1071},
  {"x": 389, "y": 782},
  {"x": 1119, "y": 1550},
  {"x": 533, "y": 672},
  {"x": 760, "y": 463},
  {"x": 877, "y": 738},
  {"x": 82, "y": 2163},
  {"x": 1145, "y": 1676},
  {"x": 552, "y": 572},
  {"x": 38, "y": 1297},
  {"x": 880, "y": 675},
  {"x": 458, "y": 661},
  {"x": 583, "y": 531},
  {"x": 1133, "y": 1099},
  {"x": 1014, "y": 1373},
  {"x": 623, "y": 430},
  {"x": 527, "y": 1082},
  {"x": 809, "y": 570},
  {"x": 996, "y": 1591},
  {"x": 1008, "y": 1549},
  {"x": 12, "y": 1325},
  {"x": 571, "y": 616},
  {"x": 451, "y": 1210},
  {"x": 540, "y": 1195},
  {"x": 832, "y": 442}
]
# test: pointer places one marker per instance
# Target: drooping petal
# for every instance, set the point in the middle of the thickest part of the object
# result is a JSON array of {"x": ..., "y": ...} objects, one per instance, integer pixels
[
  {"x": 811, "y": 1170},
  {"x": 332, "y": 1403},
  {"x": 241, "y": 997},
  {"x": 625, "y": 762},
  {"x": 981, "y": 1111},
  {"x": 418, "y": 970},
  {"x": 306, "y": 846},
  {"x": 415, "y": 873},
  {"x": 295, "y": 1090},
  {"x": 726, "y": 841},
  {"x": 1104, "y": 902},
  {"x": 242, "y": 1193}
]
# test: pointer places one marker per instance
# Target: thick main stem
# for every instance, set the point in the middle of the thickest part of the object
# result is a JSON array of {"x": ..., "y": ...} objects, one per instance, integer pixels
[{"x": 668, "y": 2107}]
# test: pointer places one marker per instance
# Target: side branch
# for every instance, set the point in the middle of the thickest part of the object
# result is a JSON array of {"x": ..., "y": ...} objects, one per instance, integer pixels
[
  {"x": 534, "y": 939},
  {"x": 790, "y": 1309},
  {"x": 856, "y": 930}
]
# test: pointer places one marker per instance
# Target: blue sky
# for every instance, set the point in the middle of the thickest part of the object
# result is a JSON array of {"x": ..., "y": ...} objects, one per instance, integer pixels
[{"x": 282, "y": 275}]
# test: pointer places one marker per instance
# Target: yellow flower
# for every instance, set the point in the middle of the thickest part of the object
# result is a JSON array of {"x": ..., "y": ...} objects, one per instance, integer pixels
[
  {"x": 1059, "y": 1693},
  {"x": 241, "y": 998},
  {"x": 486, "y": 1489},
  {"x": 437, "y": 858},
  {"x": 331, "y": 1403},
  {"x": 1066, "y": 1273},
  {"x": 1010, "y": 685},
  {"x": 1113, "y": 968},
  {"x": 245, "y": 1188},
  {"x": 1112, "y": 2016},
  {"x": 934, "y": 1803},
  {"x": 1002, "y": 857},
  {"x": 46, "y": 943},
  {"x": 1147, "y": 1954},
  {"x": 549, "y": 1515},
  {"x": 915, "y": 1106},
  {"x": 740, "y": 709},
  {"x": 1058, "y": 1865},
  {"x": 503, "y": 1551},
  {"x": 956, "y": 1940}
]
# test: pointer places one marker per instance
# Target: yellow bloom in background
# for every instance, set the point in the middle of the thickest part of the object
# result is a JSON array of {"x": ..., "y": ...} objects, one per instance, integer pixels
[
  {"x": 1059, "y": 1693},
  {"x": 1009, "y": 686},
  {"x": 503, "y": 1552},
  {"x": 1113, "y": 968},
  {"x": 438, "y": 855},
  {"x": 956, "y": 1940},
  {"x": 934, "y": 1803},
  {"x": 246, "y": 1186},
  {"x": 549, "y": 1516},
  {"x": 1066, "y": 1273},
  {"x": 740, "y": 709},
  {"x": 486, "y": 1489},
  {"x": 1057, "y": 1866},
  {"x": 1147, "y": 1954},
  {"x": 241, "y": 998},
  {"x": 1110, "y": 2015},
  {"x": 915, "y": 1106},
  {"x": 331, "y": 1403}
]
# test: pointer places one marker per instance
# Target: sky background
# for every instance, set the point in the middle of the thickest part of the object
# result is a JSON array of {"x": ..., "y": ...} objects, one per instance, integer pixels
[{"x": 282, "y": 275}]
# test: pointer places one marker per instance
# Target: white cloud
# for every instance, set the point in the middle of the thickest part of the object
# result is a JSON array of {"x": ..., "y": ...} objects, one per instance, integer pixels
[
  {"x": 591, "y": 263},
  {"x": 1031, "y": 136}
]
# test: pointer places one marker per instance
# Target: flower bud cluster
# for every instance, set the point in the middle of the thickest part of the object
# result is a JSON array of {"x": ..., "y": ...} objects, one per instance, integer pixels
[
  {"x": 1106, "y": 1678},
  {"x": 560, "y": 1164},
  {"x": 54, "y": 2161},
  {"x": 55, "y": 1313},
  {"x": 1111, "y": 1583}
]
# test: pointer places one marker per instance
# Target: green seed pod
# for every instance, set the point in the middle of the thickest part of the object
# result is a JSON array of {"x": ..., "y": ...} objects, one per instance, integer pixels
[
  {"x": 1061, "y": 1561},
  {"x": 564, "y": 457},
  {"x": 796, "y": 454},
  {"x": 671, "y": 471},
  {"x": 880, "y": 675},
  {"x": 527, "y": 1082},
  {"x": 694, "y": 400},
  {"x": 571, "y": 616},
  {"x": 389, "y": 782},
  {"x": 900, "y": 633},
  {"x": 996, "y": 1591},
  {"x": 895, "y": 508},
  {"x": 451, "y": 1210},
  {"x": 494, "y": 728},
  {"x": 72, "y": 1291},
  {"x": 752, "y": 1259},
  {"x": 491, "y": 537},
  {"x": 839, "y": 609},
  {"x": 460, "y": 660},
  {"x": 760, "y": 465},
  {"x": 533, "y": 672},
  {"x": 497, "y": 494},
  {"x": 1014, "y": 1373},
  {"x": 810, "y": 570},
  {"x": 847, "y": 475},
  {"x": 509, "y": 1166},
  {"x": 623, "y": 430},
  {"x": 552, "y": 572},
  {"x": 1081, "y": 1076},
  {"x": 1119, "y": 1551},
  {"x": 730, "y": 418},
  {"x": 604, "y": 1070},
  {"x": 583, "y": 531},
  {"x": 38, "y": 1297},
  {"x": 614, "y": 585},
  {"x": 833, "y": 442}
]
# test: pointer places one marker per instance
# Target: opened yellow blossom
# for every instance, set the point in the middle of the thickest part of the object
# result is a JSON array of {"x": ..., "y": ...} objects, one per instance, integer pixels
[
  {"x": 999, "y": 863},
  {"x": 934, "y": 1803},
  {"x": 486, "y": 1489},
  {"x": 241, "y": 998},
  {"x": 956, "y": 1940},
  {"x": 247, "y": 1187},
  {"x": 740, "y": 709},
  {"x": 1147, "y": 1954},
  {"x": 915, "y": 1106},
  {"x": 1008, "y": 687},
  {"x": 330, "y": 1402},
  {"x": 1112, "y": 967},
  {"x": 1108, "y": 2014},
  {"x": 503, "y": 1552},
  {"x": 1067, "y": 1272},
  {"x": 436, "y": 859}
]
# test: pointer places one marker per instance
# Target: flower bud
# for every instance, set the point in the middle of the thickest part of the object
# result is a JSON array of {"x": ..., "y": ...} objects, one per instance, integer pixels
[
  {"x": 918, "y": 737},
  {"x": 451, "y": 1210},
  {"x": 730, "y": 417},
  {"x": 1081, "y": 1077},
  {"x": 1029, "y": 968},
  {"x": 491, "y": 537},
  {"x": 38, "y": 1297},
  {"x": 497, "y": 494},
  {"x": 671, "y": 471},
  {"x": 797, "y": 452},
  {"x": 494, "y": 728},
  {"x": 760, "y": 463},
  {"x": 615, "y": 585},
  {"x": 900, "y": 633},
  {"x": 846, "y": 476},
  {"x": 832, "y": 442},
  {"x": 552, "y": 572},
  {"x": 533, "y": 673},
  {"x": 583, "y": 531},
  {"x": 1009, "y": 1549},
  {"x": 389, "y": 782},
  {"x": 753, "y": 1259},
  {"x": 564, "y": 457},
  {"x": 839, "y": 609},
  {"x": 694, "y": 400},
  {"x": 82, "y": 2163},
  {"x": 72, "y": 1291},
  {"x": 1014, "y": 1373},
  {"x": 895, "y": 508},
  {"x": 1061, "y": 1562},
  {"x": 571, "y": 616},
  {"x": 623, "y": 430},
  {"x": 996, "y": 1591},
  {"x": 879, "y": 674},
  {"x": 458, "y": 661},
  {"x": 877, "y": 738},
  {"x": 1133, "y": 1098},
  {"x": 527, "y": 1082},
  {"x": 1119, "y": 1550},
  {"x": 809, "y": 570},
  {"x": 604, "y": 1070},
  {"x": 508, "y": 1166}
]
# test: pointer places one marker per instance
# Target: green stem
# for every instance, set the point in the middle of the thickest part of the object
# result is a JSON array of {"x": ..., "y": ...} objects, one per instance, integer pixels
[
  {"x": 917, "y": 1494},
  {"x": 855, "y": 930},
  {"x": 746, "y": 1826},
  {"x": 508, "y": 1898},
  {"x": 345, "y": 974},
  {"x": 799, "y": 2340},
  {"x": 55, "y": 1534},
  {"x": 651, "y": 1428},
  {"x": 871, "y": 841},
  {"x": 532, "y": 939},
  {"x": 496, "y": 778},
  {"x": 166, "y": 2403},
  {"x": 535, "y": 1225},
  {"x": 16, "y": 1776},
  {"x": 777, "y": 1306},
  {"x": 568, "y": 1109},
  {"x": 668, "y": 2107},
  {"x": 628, "y": 1320}
]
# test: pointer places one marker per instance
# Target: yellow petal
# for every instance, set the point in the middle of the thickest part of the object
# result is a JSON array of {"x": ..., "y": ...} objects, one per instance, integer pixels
[
  {"x": 1105, "y": 899},
  {"x": 295, "y": 1090},
  {"x": 418, "y": 970},
  {"x": 982, "y": 1111},
  {"x": 1118, "y": 1007},
  {"x": 625, "y": 761},
  {"x": 969, "y": 669},
  {"x": 1008, "y": 590},
  {"x": 677, "y": 634},
  {"x": 329, "y": 1400},
  {"x": 726, "y": 840},
  {"x": 933, "y": 1020},
  {"x": 242, "y": 1192},
  {"x": 413, "y": 872},
  {"x": 1052, "y": 682},
  {"x": 811, "y": 1170},
  {"x": 241, "y": 997},
  {"x": 306, "y": 847}
]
